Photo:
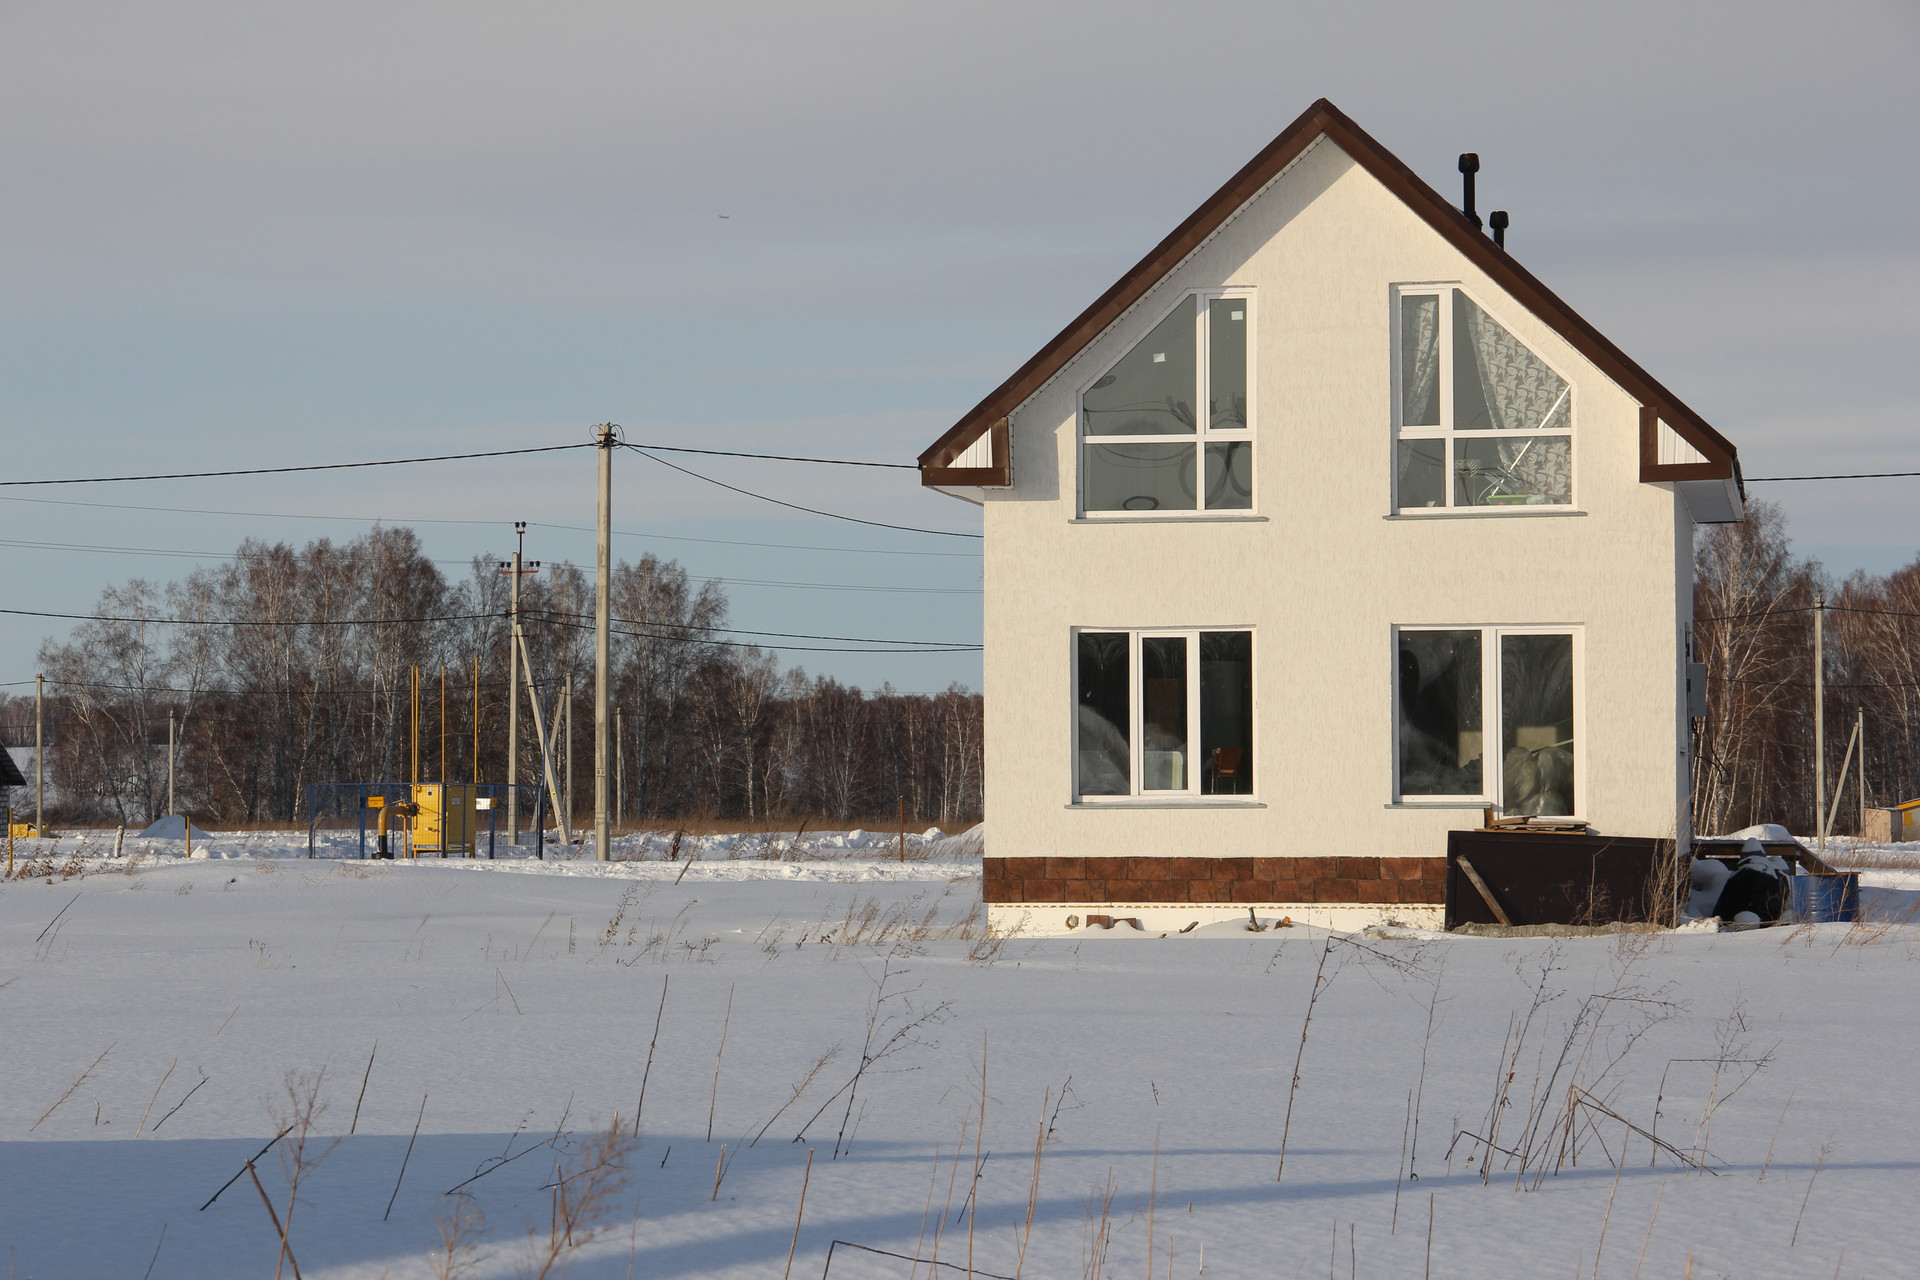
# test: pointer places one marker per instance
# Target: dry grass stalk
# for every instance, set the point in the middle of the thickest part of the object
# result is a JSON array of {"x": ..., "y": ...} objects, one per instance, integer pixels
[
  {"x": 905, "y": 1035},
  {"x": 800, "y": 1213},
  {"x": 584, "y": 1198},
  {"x": 183, "y": 1102},
  {"x": 979, "y": 1132},
  {"x": 658, "y": 1014},
  {"x": 1096, "y": 1231},
  {"x": 404, "y": 1159},
  {"x": 74, "y": 1087},
  {"x": 1033, "y": 1183},
  {"x": 1326, "y": 949},
  {"x": 1153, "y": 1194},
  {"x": 461, "y": 1228},
  {"x": 1826, "y": 1149},
  {"x": 1658, "y": 1196},
  {"x": 1618, "y": 1168},
  {"x": 286, "y": 1252},
  {"x": 363, "y": 1089},
  {"x": 155, "y": 1098},
  {"x": 713, "y": 1100},
  {"x": 932, "y": 1184},
  {"x": 1776, "y": 1134},
  {"x": 304, "y": 1109}
]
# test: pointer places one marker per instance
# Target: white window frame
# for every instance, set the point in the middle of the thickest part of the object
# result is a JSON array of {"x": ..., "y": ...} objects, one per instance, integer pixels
[
  {"x": 1203, "y": 432},
  {"x": 1445, "y": 432},
  {"x": 1136, "y": 713},
  {"x": 1492, "y": 713}
]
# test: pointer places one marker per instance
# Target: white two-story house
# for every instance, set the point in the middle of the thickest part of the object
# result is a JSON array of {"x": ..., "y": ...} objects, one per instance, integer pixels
[{"x": 1324, "y": 529}]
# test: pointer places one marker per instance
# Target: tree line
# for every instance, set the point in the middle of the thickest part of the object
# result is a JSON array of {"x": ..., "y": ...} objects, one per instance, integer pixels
[
  {"x": 291, "y": 666},
  {"x": 1754, "y": 613}
]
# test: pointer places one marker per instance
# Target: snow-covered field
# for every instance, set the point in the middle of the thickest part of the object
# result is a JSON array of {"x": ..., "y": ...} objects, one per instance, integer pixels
[{"x": 162, "y": 1019}]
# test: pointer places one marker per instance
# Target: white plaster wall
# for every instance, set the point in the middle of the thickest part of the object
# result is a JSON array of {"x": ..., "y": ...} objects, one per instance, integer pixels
[{"x": 1326, "y": 573}]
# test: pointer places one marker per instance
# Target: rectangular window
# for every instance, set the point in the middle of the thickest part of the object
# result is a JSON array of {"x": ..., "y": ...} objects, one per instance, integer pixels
[
  {"x": 1167, "y": 428},
  {"x": 1480, "y": 420},
  {"x": 1163, "y": 713},
  {"x": 1454, "y": 683}
]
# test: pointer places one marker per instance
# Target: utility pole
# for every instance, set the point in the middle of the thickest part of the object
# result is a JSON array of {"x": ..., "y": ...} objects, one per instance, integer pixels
[
  {"x": 1860, "y": 732},
  {"x": 515, "y": 567},
  {"x": 39, "y": 759},
  {"x": 563, "y": 723},
  {"x": 170, "y": 808},
  {"x": 1819, "y": 722},
  {"x": 603, "y": 547}
]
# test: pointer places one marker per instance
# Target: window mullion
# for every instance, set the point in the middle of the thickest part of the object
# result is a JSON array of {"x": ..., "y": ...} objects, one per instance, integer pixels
[
  {"x": 1492, "y": 710},
  {"x": 1194, "y": 764},
  {"x": 1136, "y": 713}
]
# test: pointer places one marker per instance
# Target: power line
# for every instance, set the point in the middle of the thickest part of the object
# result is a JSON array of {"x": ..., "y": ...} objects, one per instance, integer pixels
[
  {"x": 402, "y": 521},
  {"x": 812, "y": 511},
  {"x": 1858, "y": 475},
  {"x": 738, "y": 631},
  {"x": 314, "y": 466},
  {"x": 776, "y": 457},
  {"x": 248, "y": 622},
  {"x": 227, "y": 555},
  {"x": 787, "y": 648},
  {"x": 554, "y": 616}
]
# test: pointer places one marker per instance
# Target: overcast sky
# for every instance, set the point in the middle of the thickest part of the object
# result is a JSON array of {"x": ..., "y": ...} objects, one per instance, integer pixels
[{"x": 254, "y": 235}]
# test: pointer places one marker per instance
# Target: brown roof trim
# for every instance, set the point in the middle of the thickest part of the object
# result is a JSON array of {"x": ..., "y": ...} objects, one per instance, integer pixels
[{"x": 1323, "y": 118}]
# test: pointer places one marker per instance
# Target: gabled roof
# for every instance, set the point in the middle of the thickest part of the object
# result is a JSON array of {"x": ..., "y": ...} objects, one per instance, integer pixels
[
  {"x": 1718, "y": 460},
  {"x": 9, "y": 771}
]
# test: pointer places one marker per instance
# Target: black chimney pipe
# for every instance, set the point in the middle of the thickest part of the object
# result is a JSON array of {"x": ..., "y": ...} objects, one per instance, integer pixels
[
  {"x": 1498, "y": 221},
  {"x": 1469, "y": 165}
]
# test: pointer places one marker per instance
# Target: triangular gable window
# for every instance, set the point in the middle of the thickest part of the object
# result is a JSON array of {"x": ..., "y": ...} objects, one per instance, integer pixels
[
  {"x": 1142, "y": 438},
  {"x": 1482, "y": 420}
]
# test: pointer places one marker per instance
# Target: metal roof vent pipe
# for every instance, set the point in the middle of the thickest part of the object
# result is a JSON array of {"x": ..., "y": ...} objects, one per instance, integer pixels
[
  {"x": 1498, "y": 221},
  {"x": 1469, "y": 165}
]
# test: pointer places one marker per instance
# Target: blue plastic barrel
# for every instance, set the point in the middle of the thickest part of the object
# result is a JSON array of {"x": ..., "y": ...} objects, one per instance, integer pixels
[{"x": 1824, "y": 899}]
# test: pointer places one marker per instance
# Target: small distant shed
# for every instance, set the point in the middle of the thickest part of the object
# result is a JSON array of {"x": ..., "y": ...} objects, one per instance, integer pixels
[
  {"x": 10, "y": 775},
  {"x": 1894, "y": 823}
]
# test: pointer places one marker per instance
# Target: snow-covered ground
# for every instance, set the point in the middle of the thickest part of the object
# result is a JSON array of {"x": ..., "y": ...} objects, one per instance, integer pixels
[{"x": 154, "y": 1011}]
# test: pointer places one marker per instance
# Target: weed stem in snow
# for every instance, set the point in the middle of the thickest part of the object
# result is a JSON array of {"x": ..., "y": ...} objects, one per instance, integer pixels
[
  {"x": 658, "y": 1014},
  {"x": 77, "y": 1082},
  {"x": 363, "y": 1089},
  {"x": 403, "y": 1159}
]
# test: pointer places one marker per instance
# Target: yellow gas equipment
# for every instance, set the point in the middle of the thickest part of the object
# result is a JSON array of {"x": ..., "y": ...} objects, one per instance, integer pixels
[{"x": 443, "y": 819}]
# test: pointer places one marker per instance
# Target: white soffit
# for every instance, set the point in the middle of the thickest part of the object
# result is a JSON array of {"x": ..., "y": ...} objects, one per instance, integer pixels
[
  {"x": 1673, "y": 450},
  {"x": 977, "y": 454}
]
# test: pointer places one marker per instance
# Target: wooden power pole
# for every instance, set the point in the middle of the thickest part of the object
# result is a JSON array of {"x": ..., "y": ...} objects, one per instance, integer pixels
[{"x": 602, "y": 830}]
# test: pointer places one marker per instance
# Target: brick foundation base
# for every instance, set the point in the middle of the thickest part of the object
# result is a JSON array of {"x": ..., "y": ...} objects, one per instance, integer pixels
[{"x": 1335, "y": 880}]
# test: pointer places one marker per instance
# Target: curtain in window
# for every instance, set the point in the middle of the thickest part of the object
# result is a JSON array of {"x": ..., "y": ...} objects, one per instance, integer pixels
[
  {"x": 1522, "y": 393},
  {"x": 1420, "y": 362},
  {"x": 1536, "y": 698}
]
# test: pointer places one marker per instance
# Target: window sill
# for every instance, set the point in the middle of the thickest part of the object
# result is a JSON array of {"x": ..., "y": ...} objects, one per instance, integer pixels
[
  {"x": 1185, "y": 802},
  {"x": 1483, "y": 513},
  {"x": 1196, "y": 518},
  {"x": 1436, "y": 804}
]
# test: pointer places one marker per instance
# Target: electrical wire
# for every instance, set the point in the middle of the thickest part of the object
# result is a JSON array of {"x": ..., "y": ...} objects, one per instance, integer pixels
[
  {"x": 246, "y": 622},
  {"x": 312, "y": 466},
  {"x": 776, "y": 457},
  {"x": 1858, "y": 475},
  {"x": 785, "y": 648},
  {"x": 557, "y": 614},
  {"x": 745, "y": 582},
  {"x": 534, "y": 524},
  {"x": 780, "y": 502}
]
